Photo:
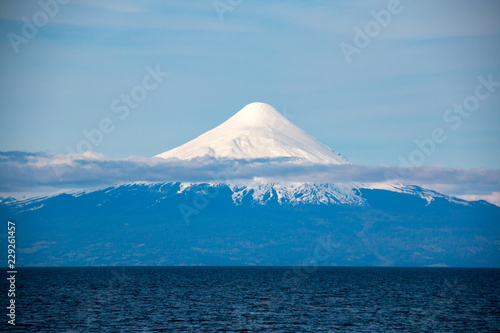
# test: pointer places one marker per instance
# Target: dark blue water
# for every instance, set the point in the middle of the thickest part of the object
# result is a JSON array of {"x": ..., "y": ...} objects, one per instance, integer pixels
[{"x": 257, "y": 299}]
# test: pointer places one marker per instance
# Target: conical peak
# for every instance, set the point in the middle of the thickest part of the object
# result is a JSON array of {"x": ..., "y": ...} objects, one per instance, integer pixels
[
  {"x": 257, "y": 114},
  {"x": 257, "y": 131},
  {"x": 257, "y": 108}
]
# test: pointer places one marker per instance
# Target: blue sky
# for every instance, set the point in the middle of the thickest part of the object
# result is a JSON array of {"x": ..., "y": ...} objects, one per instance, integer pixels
[{"x": 393, "y": 92}]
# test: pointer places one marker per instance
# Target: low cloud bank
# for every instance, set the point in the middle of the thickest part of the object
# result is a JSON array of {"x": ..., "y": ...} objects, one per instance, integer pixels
[{"x": 25, "y": 172}]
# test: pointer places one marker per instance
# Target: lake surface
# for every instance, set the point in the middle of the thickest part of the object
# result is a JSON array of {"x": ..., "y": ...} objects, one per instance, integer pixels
[{"x": 256, "y": 299}]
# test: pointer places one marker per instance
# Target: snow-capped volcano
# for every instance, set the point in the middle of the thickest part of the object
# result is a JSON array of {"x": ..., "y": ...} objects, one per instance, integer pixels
[
  {"x": 257, "y": 131},
  {"x": 254, "y": 217}
]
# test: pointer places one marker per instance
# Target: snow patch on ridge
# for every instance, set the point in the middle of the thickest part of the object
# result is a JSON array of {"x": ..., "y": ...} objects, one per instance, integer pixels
[
  {"x": 427, "y": 195},
  {"x": 297, "y": 193},
  {"x": 294, "y": 193}
]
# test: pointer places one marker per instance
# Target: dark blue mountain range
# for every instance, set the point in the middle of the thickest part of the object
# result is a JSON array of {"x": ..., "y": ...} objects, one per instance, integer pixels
[{"x": 203, "y": 224}]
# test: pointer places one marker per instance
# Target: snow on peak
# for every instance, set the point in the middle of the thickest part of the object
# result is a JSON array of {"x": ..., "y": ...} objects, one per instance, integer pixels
[
  {"x": 257, "y": 131},
  {"x": 257, "y": 114}
]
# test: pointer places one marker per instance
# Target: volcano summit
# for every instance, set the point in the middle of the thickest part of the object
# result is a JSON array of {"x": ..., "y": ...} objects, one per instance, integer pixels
[{"x": 257, "y": 131}]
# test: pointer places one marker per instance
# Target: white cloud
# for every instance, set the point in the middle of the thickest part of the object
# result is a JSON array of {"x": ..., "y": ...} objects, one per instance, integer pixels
[
  {"x": 493, "y": 198},
  {"x": 27, "y": 172}
]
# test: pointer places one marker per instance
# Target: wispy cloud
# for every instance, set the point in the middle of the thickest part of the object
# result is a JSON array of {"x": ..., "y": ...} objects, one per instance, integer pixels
[
  {"x": 21, "y": 172},
  {"x": 126, "y": 15},
  {"x": 417, "y": 20},
  {"x": 115, "y": 6}
]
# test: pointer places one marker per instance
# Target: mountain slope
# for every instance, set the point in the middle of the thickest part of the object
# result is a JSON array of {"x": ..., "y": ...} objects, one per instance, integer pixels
[
  {"x": 205, "y": 224},
  {"x": 257, "y": 131}
]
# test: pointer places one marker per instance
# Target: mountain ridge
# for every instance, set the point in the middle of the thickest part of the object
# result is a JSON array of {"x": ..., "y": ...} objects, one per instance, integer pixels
[{"x": 143, "y": 224}]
